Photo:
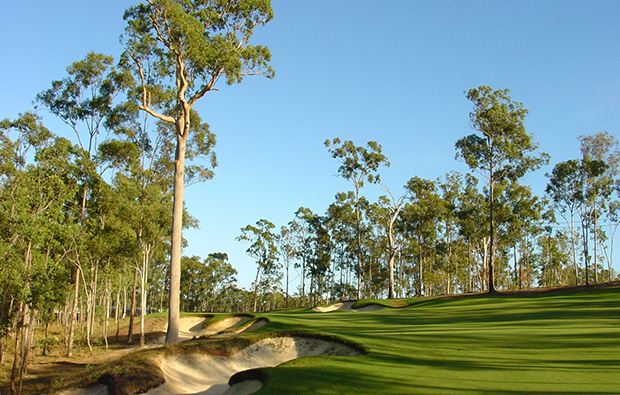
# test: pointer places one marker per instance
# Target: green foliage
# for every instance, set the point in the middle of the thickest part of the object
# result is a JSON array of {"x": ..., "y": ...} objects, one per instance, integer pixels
[
  {"x": 86, "y": 96},
  {"x": 205, "y": 282},
  {"x": 358, "y": 164},
  {"x": 502, "y": 150},
  {"x": 211, "y": 38}
]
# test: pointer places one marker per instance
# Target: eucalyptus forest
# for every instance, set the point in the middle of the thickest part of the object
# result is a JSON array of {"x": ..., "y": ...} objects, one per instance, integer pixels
[{"x": 87, "y": 230}]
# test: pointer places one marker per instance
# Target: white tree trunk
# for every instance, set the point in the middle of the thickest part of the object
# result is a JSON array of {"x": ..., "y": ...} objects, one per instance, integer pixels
[{"x": 172, "y": 335}]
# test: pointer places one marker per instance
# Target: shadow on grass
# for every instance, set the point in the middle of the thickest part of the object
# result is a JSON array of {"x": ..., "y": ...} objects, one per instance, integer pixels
[{"x": 348, "y": 380}]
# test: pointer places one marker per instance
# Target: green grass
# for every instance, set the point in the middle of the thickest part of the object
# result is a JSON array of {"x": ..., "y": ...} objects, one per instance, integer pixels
[{"x": 565, "y": 342}]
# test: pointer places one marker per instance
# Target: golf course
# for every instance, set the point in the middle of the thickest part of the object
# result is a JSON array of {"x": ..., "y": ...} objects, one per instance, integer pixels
[{"x": 564, "y": 341}]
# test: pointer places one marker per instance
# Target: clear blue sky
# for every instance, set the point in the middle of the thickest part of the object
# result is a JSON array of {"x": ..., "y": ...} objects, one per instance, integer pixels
[{"x": 390, "y": 71}]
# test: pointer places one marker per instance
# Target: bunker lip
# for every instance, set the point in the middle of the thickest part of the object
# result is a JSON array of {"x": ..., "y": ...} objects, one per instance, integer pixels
[
  {"x": 248, "y": 326},
  {"x": 347, "y": 306},
  {"x": 193, "y": 326},
  {"x": 210, "y": 374}
]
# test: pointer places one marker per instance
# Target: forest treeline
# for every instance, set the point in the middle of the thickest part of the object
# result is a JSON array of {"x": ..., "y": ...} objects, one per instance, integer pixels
[{"x": 85, "y": 224}]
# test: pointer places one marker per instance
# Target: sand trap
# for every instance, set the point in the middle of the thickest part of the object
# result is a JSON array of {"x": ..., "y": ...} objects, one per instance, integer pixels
[
  {"x": 347, "y": 306},
  {"x": 209, "y": 374},
  {"x": 225, "y": 324},
  {"x": 194, "y": 326},
  {"x": 245, "y": 327}
]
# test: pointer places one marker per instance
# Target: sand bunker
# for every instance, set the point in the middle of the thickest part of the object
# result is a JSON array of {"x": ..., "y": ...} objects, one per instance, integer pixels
[
  {"x": 245, "y": 327},
  {"x": 347, "y": 306},
  {"x": 196, "y": 326},
  {"x": 225, "y": 324},
  {"x": 209, "y": 374}
]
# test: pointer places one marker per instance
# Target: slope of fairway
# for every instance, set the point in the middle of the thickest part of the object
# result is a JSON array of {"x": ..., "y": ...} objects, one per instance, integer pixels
[{"x": 562, "y": 343}]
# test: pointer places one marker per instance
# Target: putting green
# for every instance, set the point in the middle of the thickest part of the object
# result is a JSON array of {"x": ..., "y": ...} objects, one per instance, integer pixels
[{"x": 562, "y": 343}]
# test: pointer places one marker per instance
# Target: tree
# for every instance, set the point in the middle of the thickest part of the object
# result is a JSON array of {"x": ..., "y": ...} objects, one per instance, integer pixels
[
  {"x": 179, "y": 50},
  {"x": 574, "y": 187},
  {"x": 502, "y": 151},
  {"x": 564, "y": 190},
  {"x": 387, "y": 210},
  {"x": 343, "y": 228},
  {"x": 419, "y": 220},
  {"x": 263, "y": 248},
  {"x": 522, "y": 214},
  {"x": 601, "y": 151},
  {"x": 204, "y": 282},
  {"x": 288, "y": 250},
  {"x": 358, "y": 165}
]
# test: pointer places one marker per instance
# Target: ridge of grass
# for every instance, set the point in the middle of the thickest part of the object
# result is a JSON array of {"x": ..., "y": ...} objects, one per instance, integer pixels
[
  {"x": 244, "y": 326},
  {"x": 215, "y": 318}
]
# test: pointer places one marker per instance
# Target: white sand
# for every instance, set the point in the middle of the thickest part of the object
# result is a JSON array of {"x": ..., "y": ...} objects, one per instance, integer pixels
[
  {"x": 347, "y": 306},
  {"x": 259, "y": 323},
  {"x": 226, "y": 323},
  {"x": 194, "y": 326},
  {"x": 209, "y": 374}
]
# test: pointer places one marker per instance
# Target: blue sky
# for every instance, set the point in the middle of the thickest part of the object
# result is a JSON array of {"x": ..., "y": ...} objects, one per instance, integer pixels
[{"x": 390, "y": 71}]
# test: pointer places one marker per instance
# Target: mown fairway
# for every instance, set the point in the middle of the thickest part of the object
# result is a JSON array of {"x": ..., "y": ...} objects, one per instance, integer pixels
[{"x": 562, "y": 343}]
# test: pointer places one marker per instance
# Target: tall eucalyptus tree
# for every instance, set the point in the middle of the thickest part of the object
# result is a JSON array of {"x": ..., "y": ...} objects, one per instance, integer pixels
[
  {"x": 358, "y": 165},
  {"x": 503, "y": 150},
  {"x": 179, "y": 50},
  {"x": 263, "y": 247}
]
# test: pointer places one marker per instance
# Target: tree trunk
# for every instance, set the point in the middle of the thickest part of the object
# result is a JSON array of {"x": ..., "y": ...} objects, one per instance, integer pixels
[
  {"x": 146, "y": 256},
  {"x": 117, "y": 307},
  {"x": 287, "y": 269},
  {"x": 256, "y": 288},
  {"x": 584, "y": 235},
  {"x": 72, "y": 319},
  {"x": 574, "y": 249},
  {"x": 595, "y": 247},
  {"x": 132, "y": 309},
  {"x": 303, "y": 281},
  {"x": 3, "y": 312},
  {"x": 172, "y": 335},
  {"x": 358, "y": 232},
  {"x": 19, "y": 339},
  {"x": 491, "y": 236},
  {"x": 106, "y": 315}
]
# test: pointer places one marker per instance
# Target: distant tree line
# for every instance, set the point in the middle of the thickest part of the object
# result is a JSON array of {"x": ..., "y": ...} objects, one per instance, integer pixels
[{"x": 459, "y": 233}]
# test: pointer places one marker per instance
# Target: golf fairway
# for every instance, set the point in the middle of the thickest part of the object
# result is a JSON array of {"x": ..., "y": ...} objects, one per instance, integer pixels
[{"x": 567, "y": 342}]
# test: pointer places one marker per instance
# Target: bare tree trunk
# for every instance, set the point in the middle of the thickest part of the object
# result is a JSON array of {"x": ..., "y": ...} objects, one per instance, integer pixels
[
  {"x": 3, "y": 312},
  {"x": 303, "y": 281},
  {"x": 256, "y": 288},
  {"x": 132, "y": 309},
  {"x": 172, "y": 335},
  {"x": 106, "y": 316},
  {"x": 23, "y": 334},
  {"x": 595, "y": 247},
  {"x": 16, "y": 352},
  {"x": 76, "y": 290},
  {"x": 146, "y": 256},
  {"x": 491, "y": 234},
  {"x": 124, "y": 303},
  {"x": 117, "y": 306}
]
